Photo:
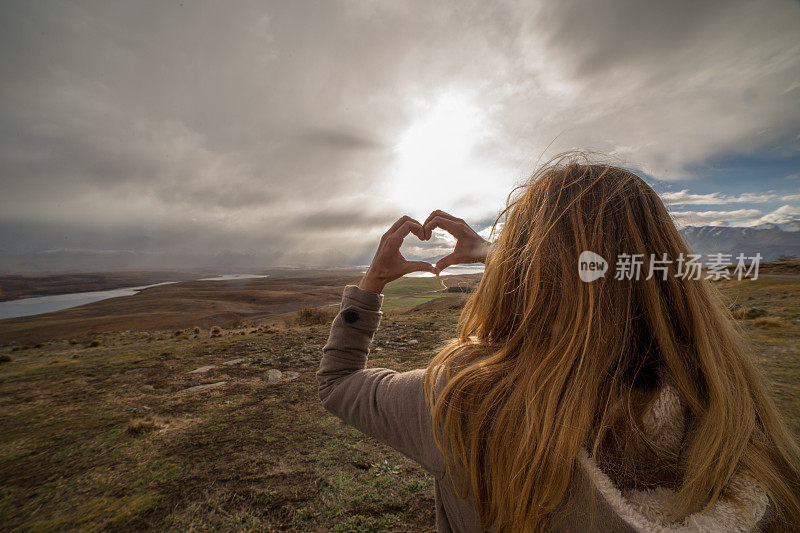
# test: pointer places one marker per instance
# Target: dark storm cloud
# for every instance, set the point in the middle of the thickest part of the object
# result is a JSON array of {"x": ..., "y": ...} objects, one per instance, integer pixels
[
  {"x": 337, "y": 219},
  {"x": 256, "y": 127},
  {"x": 338, "y": 140}
]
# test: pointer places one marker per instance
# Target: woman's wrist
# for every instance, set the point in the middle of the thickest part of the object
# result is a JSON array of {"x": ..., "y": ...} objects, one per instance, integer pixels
[
  {"x": 484, "y": 249},
  {"x": 371, "y": 283}
]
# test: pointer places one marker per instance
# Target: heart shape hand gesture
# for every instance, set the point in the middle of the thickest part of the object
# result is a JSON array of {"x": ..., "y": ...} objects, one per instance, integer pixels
[
  {"x": 389, "y": 264},
  {"x": 470, "y": 247}
]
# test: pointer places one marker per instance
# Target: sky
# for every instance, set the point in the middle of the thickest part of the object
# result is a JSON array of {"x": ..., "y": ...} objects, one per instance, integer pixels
[{"x": 299, "y": 131}]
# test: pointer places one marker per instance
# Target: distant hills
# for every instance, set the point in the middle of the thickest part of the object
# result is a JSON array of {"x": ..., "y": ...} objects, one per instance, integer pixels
[{"x": 772, "y": 241}]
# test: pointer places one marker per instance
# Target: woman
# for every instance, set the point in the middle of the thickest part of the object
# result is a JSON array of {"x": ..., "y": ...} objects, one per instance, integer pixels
[{"x": 628, "y": 403}]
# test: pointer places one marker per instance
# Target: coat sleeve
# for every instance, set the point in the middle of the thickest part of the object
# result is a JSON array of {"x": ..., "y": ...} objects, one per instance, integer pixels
[{"x": 387, "y": 405}]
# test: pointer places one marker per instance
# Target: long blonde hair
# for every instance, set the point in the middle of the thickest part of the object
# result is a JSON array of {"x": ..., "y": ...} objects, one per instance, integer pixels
[{"x": 545, "y": 364}]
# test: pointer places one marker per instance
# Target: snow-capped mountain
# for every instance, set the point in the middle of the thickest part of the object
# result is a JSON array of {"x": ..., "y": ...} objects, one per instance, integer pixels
[
  {"x": 772, "y": 241},
  {"x": 793, "y": 225}
]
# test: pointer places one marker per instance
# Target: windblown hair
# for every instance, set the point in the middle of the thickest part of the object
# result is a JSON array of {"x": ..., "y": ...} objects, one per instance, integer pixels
[{"x": 545, "y": 364}]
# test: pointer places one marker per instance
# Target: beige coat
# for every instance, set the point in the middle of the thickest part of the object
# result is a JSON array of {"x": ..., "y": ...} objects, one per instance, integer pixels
[{"x": 391, "y": 407}]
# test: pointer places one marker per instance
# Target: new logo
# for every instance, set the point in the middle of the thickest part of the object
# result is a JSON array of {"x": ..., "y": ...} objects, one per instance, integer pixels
[{"x": 591, "y": 266}]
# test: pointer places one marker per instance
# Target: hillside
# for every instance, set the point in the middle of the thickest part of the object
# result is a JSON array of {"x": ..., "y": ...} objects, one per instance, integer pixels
[
  {"x": 179, "y": 305},
  {"x": 162, "y": 429}
]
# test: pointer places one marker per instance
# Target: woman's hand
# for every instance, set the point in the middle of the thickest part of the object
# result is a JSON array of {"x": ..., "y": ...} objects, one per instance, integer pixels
[
  {"x": 388, "y": 263},
  {"x": 470, "y": 247}
]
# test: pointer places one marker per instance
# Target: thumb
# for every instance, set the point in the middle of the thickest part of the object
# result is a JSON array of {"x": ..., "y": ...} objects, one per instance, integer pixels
[
  {"x": 419, "y": 266},
  {"x": 446, "y": 261}
]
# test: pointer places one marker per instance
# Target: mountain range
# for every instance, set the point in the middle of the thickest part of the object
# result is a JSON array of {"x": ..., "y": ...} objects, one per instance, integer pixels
[{"x": 772, "y": 241}]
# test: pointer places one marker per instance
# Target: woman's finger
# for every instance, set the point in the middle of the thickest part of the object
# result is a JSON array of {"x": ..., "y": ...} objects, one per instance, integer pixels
[
  {"x": 434, "y": 214},
  {"x": 440, "y": 213},
  {"x": 409, "y": 226},
  {"x": 399, "y": 222},
  {"x": 419, "y": 266},
  {"x": 446, "y": 261},
  {"x": 450, "y": 226}
]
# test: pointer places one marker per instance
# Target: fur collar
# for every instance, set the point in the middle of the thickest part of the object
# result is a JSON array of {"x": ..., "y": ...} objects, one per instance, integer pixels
[{"x": 646, "y": 511}]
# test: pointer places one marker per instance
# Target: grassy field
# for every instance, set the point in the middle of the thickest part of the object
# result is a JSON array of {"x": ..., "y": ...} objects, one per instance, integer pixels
[
  {"x": 113, "y": 437},
  {"x": 410, "y": 292}
]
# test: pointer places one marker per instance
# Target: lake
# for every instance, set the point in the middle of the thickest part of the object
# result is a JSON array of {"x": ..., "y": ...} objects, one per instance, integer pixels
[{"x": 452, "y": 271}]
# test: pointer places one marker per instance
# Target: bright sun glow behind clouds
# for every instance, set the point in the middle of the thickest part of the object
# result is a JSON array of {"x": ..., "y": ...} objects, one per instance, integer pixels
[{"x": 436, "y": 161}]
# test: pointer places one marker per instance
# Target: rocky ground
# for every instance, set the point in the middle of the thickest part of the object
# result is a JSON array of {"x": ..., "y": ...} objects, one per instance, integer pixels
[
  {"x": 220, "y": 429},
  {"x": 216, "y": 429}
]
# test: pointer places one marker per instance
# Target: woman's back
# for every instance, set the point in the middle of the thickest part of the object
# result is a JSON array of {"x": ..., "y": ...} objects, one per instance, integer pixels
[
  {"x": 392, "y": 408},
  {"x": 550, "y": 406}
]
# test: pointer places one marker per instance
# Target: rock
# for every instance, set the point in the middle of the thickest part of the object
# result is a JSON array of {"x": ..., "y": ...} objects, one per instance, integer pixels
[
  {"x": 147, "y": 387},
  {"x": 291, "y": 375},
  {"x": 742, "y": 311},
  {"x": 412, "y": 341},
  {"x": 273, "y": 375},
  {"x": 235, "y": 361},
  {"x": 205, "y": 387},
  {"x": 202, "y": 369}
]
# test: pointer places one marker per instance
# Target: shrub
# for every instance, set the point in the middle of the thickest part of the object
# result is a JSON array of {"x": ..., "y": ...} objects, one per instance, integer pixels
[
  {"x": 216, "y": 331},
  {"x": 5, "y": 358},
  {"x": 196, "y": 330},
  {"x": 178, "y": 332},
  {"x": 73, "y": 341},
  {"x": 310, "y": 316},
  {"x": 95, "y": 343}
]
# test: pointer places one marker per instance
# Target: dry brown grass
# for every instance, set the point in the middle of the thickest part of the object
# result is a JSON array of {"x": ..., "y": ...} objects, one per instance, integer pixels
[
  {"x": 768, "y": 322},
  {"x": 138, "y": 426}
]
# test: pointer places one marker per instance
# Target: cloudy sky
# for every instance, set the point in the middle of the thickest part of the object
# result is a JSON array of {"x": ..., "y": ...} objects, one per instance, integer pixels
[{"x": 298, "y": 131}]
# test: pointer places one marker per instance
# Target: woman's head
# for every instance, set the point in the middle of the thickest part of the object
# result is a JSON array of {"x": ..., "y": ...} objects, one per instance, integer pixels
[
  {"x": 565, "y": 209},
  {"x": 546, "y": 363}
]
